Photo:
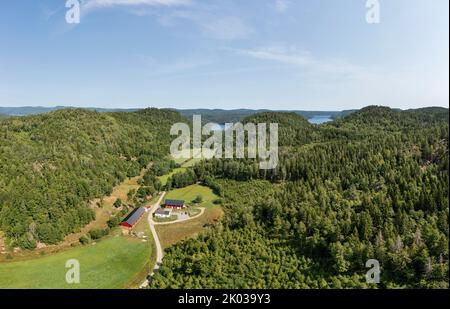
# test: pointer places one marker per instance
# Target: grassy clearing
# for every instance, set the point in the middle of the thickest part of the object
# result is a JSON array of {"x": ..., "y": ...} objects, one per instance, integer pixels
[
  {"x": 185, "y": 163},
  {"x": 190, "y": 162},
  {"x": 104, "y": 213},
  {"x": 114, "y": 262},
  {"x": 164, "y": 178},
  {"x": 190, "y": 193},
  {"x": 180, "y": 161},
  {"x": 143, "y": 227},
  {"x": 173, "y": 233},
  {"x": 163, "y": 220},
  {"x": 193, "y": 212},
  {"x": 102, "y": 216}
]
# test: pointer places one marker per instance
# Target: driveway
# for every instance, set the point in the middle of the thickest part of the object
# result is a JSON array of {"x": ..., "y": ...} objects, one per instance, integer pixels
[{"x": 159, "y": 250}]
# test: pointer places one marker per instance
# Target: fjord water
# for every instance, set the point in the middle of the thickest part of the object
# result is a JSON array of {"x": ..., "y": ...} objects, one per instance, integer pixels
[{"x": 318, "y": 119}]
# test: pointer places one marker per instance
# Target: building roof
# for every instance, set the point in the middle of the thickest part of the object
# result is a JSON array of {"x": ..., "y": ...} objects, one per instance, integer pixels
[
  {"x": 162, "y": 211},
  {"x": 174, "y": 202},
  {"x": 134, "y": 216}
]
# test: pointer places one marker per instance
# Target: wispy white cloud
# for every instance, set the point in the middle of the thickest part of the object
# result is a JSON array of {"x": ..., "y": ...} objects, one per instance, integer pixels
[
  {"x": 48, "y": 13},
  {"x": 281, "y": 6},
  {"x": 280, "y": 53},
  {"x": 226, "y": 28},
  {"x": 98, "y": 4},
  {"x": 158, "y": 68},
  {"x": 290, "y": 55},
  {"x": 210, "y": 24},
  {"x": 206, "y": 18}
]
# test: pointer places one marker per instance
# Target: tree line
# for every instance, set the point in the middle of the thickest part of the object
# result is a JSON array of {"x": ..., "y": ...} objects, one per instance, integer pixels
[{"x": 373, "y": 185}]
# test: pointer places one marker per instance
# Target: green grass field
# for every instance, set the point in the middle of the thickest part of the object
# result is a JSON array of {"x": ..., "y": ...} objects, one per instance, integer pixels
[
  {"x": 173, "y": 233},
  {"x": 170, "y": 219},
  {"x": 190, "y": 162},
  {"x": 114, "y": 262},
  {"x": 164, "y": 178},
  {"x": 190, "y": 193}
]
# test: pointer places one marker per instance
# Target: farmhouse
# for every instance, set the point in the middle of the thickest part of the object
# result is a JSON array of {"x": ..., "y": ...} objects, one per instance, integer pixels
[
  {"x": 163, "y": 213},
  {"x": 133, "y": 218},
  {"x": 175, "y": 204}
]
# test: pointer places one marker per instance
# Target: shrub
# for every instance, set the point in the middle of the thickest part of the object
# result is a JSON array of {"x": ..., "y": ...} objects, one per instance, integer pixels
[
  {"x": 118, "y": 203},
  {"x": 113, "y": 222},
  {"x": 84, "y": 240},
  {"x": 98, "y": 233},
  {"x": 198, "y": 199}
]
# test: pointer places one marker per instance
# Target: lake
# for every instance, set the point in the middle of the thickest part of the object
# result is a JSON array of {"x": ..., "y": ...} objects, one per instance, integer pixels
[{"x": 320, "y": 119}]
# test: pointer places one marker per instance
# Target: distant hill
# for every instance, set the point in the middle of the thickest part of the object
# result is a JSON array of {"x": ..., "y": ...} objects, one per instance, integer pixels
[
  {"x": 385, "y": 117},
  {"x": 208, "y": 115},
  {"x": 218, "y": 115},
  {"x": 293, "y": 128},
  {"x": 236, "y": 115},
  {"x": 35, "y": 110}
]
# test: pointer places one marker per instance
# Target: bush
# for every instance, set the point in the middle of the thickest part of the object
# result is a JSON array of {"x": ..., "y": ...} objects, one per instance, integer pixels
[
  {"x": 118, "y": 203},
  {"x": 98, "y": 233},
  {"x": 124, "y": 211},
  {"x": 113, "y": 222},
  {"x": 26, "y": 242},
  {"x": 218, "y": 201},
  {"x": 131, "y": 193},
  {"x": 198, "y": 199},
  {"x": 84, "y": 240}
]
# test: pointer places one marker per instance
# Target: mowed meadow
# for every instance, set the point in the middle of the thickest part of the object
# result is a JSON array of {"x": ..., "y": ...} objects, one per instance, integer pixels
[
  {"x": 117, "y": 261},
  {"x": 174, "y": 233},
  {"x": 113, "y": 263}
]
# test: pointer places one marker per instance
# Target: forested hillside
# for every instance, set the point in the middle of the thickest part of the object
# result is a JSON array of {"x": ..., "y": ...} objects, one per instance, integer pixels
[
  {"x": 238, "y": 115},
  {"x": 51, "y": 165},
  {"x": 373, "y": 185}
]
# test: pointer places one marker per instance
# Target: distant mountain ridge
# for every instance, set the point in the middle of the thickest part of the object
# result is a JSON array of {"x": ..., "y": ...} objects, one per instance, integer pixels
[
  {"x": 34, "y": 110},
  {"x": 209, "y": 115},
  {"x": 222, "y": 116}
]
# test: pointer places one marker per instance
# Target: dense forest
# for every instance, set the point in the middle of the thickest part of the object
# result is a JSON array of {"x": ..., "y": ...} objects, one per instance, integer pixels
[
  {"x": 373, "y": 185},
  {"x": 51, "y": 165}
]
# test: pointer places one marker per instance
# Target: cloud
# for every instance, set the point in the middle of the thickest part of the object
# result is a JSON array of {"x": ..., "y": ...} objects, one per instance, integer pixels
[
  {"x": 280, "y": 53},
  {"x": 281, "y": 6},
  {"x": 156, "y": 69},
  {"x": 226, "y": 28},
  {"x": 98, "y": 4},
  {"x": 292, "y": 56},
  {"x": 211, "y": 25}
]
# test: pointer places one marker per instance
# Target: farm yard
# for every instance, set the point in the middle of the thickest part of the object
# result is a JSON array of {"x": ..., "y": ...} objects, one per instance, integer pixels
[
  {"x": 116, "y": 261},
  {"x": 173, "y": 233},
  {"x": 112, "y": 263},
  {"x": 190, "y": 193}
]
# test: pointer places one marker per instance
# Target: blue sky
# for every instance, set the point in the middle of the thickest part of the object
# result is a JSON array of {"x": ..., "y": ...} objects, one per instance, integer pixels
[{"x": 276, "y": 54}]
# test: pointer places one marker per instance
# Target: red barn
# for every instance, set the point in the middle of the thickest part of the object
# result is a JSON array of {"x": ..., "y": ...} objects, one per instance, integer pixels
[
  {"x": 133, "y": 217},
  {"x": 175, "y": 204}
]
